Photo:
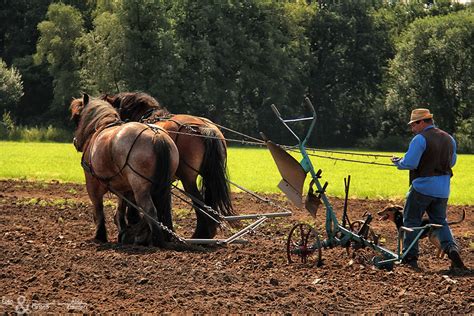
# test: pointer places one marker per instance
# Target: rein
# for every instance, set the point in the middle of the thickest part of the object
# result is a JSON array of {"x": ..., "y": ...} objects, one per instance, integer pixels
[{"x": 258, "y": 142}]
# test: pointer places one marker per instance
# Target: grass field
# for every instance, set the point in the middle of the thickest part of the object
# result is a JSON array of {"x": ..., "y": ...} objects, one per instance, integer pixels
[{"x": 252, "y": 168}]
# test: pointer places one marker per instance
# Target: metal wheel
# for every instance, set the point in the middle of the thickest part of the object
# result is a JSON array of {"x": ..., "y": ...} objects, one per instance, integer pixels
[
  {"x": 313, "y": 243},
  {"x": 303, "y": 244}
]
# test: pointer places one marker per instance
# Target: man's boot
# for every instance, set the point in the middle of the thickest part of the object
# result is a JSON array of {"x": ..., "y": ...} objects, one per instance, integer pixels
[{"x": 453, "y": 254}]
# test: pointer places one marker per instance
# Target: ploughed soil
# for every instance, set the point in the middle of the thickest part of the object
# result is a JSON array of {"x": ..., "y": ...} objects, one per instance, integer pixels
[{"x": 50, "y": 263}]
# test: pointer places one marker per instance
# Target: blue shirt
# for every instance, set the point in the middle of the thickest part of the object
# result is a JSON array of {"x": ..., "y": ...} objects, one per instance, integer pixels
[{"x": 437, "y": 186}]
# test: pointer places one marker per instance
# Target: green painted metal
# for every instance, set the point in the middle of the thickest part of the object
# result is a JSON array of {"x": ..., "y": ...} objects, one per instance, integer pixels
[{"x": 336, "y": 234}]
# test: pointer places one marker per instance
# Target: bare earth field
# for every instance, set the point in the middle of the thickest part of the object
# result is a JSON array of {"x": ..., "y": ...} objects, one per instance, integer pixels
[{"x": 49, "y": 263}]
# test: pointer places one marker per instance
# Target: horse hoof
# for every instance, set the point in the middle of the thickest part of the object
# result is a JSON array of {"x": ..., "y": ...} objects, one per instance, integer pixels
[
  {"x": 142, "y": 241},
  {"x": 100, "y": 240},
  {"x": 101, "y": 235},
  {"x": 120, "y": 237},
  {"x": 127, "y": 238}
]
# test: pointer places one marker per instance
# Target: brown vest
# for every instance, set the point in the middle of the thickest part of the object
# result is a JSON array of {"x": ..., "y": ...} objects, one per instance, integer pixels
[{"x": 436, "y": 159}]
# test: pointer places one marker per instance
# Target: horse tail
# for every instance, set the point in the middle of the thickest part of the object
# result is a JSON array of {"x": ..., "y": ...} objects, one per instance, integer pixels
[
  {"x": 214, "y": 185},
  {"x": 161, "y": 188}
]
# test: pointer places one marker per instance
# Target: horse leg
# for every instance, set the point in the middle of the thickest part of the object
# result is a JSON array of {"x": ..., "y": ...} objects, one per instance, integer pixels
[
  {"x": 96, "y": 193},
  {"x": 150, "y": 233},
  {"x": 132, "y": 215},
  {"x": 119, "y": 218},
  {"x": 206, "y": 228}
]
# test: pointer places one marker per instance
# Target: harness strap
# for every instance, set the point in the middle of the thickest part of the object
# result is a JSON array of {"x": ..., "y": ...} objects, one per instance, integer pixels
[
  {"x": 88, "y": 167},
  {"x": 193, "y": 128}
]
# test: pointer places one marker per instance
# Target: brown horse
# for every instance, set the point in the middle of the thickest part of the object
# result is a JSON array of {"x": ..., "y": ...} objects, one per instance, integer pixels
[
  {"x": 202, "y": 152},
  {"x": 132, "y": 159}
]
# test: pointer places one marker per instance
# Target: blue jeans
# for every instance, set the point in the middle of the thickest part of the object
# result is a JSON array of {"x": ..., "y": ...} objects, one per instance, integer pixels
[{"x": 415, "y": 206}]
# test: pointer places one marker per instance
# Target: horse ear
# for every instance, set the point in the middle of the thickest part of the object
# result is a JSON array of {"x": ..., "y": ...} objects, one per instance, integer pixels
[
  {"x": 85, "y": 99},
  {"x": 76, "y": 108}
]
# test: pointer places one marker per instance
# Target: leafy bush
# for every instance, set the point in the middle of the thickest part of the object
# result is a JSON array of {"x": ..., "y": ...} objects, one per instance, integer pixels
[
  {"x": 11, "y": 86},
  {"x": 384, "y": 143},
  {"x": 465, "y": 136},
  {"x": 10, "y": 131}
]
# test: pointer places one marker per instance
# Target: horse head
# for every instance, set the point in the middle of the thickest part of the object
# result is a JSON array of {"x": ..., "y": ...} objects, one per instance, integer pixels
[
  {"x": 135, "y": 106},
  {"x": 90, "y": 115},
  {"x": 114, "y": 100}
]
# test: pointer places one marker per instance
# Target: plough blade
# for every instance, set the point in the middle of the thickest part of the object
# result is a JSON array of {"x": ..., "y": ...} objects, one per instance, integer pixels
[
  {"x": 292, "y": 173},
  {"x": 291, "y": 193}
]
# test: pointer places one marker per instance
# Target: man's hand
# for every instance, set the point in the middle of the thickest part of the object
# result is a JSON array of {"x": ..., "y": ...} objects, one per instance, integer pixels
[{"x": 395, "y": 159}]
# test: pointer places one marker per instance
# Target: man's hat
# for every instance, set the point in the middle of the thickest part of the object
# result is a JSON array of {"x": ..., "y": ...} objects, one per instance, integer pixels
[{"x": 419, "y": 114}]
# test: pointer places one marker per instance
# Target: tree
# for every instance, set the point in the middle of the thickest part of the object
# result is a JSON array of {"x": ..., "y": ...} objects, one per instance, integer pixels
[
  {"x": 349, "y": 52},
  {"x": 18, "y": 37},
  {"x": 150, "y": 55},
  {"x": 11, "y": 87},
  {"x": 238, "y": 58},
  {"x": 57, "y": 48},
  {"x": 18, "y": 21},
  {"x": 434, "y": 68},
  {"x": 103, "y": 56}
]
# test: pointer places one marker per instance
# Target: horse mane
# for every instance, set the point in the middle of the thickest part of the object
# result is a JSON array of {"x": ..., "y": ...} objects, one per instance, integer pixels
[
  {"x": 133, "y": 105},
  {"x": 94, "y": 116}
]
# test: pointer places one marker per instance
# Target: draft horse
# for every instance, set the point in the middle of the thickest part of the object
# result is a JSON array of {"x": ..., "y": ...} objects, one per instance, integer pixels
[
  {"x": 202, "y": 152},
  {"x": 132, "y": 159}
]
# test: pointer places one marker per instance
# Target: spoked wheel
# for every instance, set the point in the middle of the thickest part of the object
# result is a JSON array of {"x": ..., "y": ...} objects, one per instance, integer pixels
[{"x": 303, "y": 244}]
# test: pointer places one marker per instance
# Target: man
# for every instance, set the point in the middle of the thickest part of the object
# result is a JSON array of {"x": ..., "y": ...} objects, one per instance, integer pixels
[{"x": 430, "y": 157}]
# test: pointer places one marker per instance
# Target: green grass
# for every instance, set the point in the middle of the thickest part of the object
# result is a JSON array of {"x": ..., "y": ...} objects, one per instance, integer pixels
[
  {"x": 252, "y": 168},
  {"x": 40, "y": 161},
  {"x": 255, "y": 169}
]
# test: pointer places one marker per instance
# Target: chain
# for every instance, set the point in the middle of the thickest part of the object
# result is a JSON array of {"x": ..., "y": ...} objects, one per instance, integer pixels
[
  {"x": 160, "y": 224},
  {"x": 201, "y": 206}
]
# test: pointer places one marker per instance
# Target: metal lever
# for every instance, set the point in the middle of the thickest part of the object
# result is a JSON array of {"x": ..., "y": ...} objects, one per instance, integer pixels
[
  {"x": 275, "y": 110},
  {"x": 310, "y": 106},
  {"x": 302, "y": 143},
  {"x": 323, "y": 189},
  {"x": 318, "y": 174}
]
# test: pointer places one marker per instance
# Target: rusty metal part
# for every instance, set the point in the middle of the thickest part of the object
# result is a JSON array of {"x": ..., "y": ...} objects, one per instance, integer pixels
[
  {"x": 312, "y": 201},
  {"x": 292, "y": 173}
]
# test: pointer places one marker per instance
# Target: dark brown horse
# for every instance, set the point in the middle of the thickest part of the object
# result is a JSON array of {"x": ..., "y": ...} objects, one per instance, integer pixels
[
  {"x": 202, "y": 152},
  {"x": 132, "y": 159}
]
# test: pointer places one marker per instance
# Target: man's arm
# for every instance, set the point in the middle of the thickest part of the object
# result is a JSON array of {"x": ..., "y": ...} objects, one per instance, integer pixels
[{"x": 412, "y": 157}]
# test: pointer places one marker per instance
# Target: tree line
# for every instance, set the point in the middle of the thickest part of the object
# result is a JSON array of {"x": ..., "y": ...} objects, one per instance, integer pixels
[{"x": 364, "y": 64}]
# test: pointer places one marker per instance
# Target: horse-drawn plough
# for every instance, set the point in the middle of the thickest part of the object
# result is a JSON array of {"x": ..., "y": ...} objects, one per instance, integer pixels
[{"x": 304, "y": 242}]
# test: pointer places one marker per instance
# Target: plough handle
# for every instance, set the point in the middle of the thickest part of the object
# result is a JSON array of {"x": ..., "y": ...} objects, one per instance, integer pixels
[
  {"x": 310, "y": 106},
  {"x": 275, "y": 110},
  {"x": 285, "y": 122}
]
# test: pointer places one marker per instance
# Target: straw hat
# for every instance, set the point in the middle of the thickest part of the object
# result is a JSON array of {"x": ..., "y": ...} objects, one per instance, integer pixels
[{"x": 419, "y": 114}]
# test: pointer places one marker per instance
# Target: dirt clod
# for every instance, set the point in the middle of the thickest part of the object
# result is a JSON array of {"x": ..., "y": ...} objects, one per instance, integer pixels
[{"x": 54, "y": 266}]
